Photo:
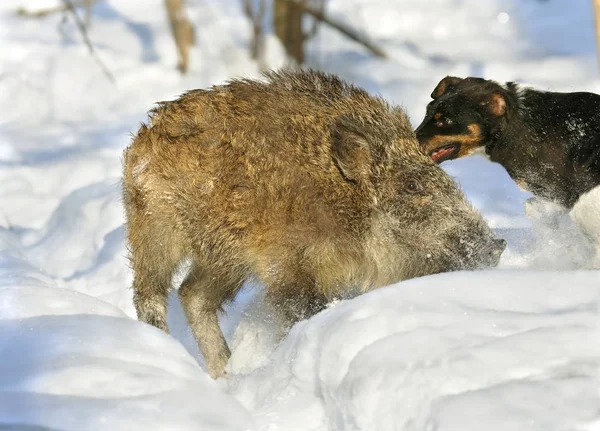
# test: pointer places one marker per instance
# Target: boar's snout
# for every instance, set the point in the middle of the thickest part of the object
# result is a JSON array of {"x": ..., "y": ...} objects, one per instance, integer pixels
[
  {"x": 490, "y": 254},
  {"x": 478, "y": 252}
]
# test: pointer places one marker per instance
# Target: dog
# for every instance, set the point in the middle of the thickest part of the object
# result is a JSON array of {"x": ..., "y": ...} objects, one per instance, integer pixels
[{"x": 548, "y": 142}]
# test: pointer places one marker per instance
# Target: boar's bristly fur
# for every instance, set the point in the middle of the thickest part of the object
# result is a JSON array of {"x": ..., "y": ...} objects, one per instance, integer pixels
[{"x": 307, "y": 183}]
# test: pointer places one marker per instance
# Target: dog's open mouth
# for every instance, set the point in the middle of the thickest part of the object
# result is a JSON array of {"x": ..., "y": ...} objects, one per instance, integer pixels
[{"x": 446, "y": 152}]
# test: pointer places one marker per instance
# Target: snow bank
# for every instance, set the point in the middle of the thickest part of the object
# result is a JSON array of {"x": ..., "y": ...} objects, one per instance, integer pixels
[
  {"x": 72, "y": 362},
  {"x": 492, "y": 350}
]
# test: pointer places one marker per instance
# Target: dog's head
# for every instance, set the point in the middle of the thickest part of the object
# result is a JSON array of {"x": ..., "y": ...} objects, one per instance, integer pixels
[{"x": 461, "y": 117}]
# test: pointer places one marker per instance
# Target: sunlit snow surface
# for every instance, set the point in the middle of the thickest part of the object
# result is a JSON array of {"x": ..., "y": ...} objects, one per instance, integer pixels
[{"x": 515, "y": 348}]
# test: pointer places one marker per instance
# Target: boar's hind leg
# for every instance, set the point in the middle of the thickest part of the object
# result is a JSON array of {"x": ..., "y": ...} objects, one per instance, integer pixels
[
  {"x": 293, "y": 293},
  {"x": 294, "y": 302},
  {"x": 201, "y": 295}
]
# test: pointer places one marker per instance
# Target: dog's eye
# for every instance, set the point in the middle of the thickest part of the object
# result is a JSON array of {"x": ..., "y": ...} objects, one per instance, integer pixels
[
  {"x": 412, "y": 186},
  {"x": 442, "y": 122}
]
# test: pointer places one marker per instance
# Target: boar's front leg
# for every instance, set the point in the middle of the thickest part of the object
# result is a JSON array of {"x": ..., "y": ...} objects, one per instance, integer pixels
[{"x": 202, "y": 295}]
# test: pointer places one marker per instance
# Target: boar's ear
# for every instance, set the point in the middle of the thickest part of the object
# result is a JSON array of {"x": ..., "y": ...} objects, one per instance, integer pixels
[
  {"x": 444, "y": 85},
  {"x": 350, "y": 150}
]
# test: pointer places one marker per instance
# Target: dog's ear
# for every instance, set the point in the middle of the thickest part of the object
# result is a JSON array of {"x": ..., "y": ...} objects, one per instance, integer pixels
[
  {"x": 444, "y": 85},
  {"x": 496, "y": 104}
]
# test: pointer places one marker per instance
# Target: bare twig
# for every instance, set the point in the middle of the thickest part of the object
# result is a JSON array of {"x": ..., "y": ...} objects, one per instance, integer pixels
[
  {"x": 287, "y": 25},
  {"x": 26, "y": 13},
  {"x": 343, "y": 28},
  {"x": 314, "y": 27},
  {"x": 81, "y": 26},
  {"x": 256, "y": 28},
  {"x": 88, "y": 13},
  {"x": 183, "y": 31},
  {"x": 257, "y": 18},
  {"x": 597, "y": 21}
]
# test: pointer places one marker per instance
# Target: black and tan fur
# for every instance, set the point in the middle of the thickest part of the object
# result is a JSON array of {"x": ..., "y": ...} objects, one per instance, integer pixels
[{"x": 548, "y": 142}]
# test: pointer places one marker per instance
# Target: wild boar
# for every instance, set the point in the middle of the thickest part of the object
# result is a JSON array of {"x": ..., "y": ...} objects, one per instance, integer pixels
[{"x": 303, "y": 181}]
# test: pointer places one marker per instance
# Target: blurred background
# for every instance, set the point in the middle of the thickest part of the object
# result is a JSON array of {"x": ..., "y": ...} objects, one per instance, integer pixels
[
  {"x": 80, "y": 61},
  {"x": 78, "y": 76}
]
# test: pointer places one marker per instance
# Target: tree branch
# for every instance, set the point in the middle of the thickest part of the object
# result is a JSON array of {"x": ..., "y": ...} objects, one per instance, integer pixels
[
  {"x": 597, "y": 24},
  {"x": 343, "y": 28},
  {"x": 257, "y": 18},
  {"x": 183, "y": 31},
  {"x": 81, "y": 26},
  {"x": 26, "y": 13}
]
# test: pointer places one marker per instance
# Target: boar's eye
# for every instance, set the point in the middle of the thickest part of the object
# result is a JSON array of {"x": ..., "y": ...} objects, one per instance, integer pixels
[{"x": 412, "y": 186}]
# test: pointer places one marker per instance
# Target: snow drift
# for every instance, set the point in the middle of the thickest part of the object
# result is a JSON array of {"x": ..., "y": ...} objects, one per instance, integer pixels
[{"x": 71, "y": 361}]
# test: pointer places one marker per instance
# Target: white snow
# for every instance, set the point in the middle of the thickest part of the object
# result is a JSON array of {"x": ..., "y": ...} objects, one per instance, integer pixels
[
  {"x": 512, "y": 348},
  {"x": 71, "y": 361}
]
